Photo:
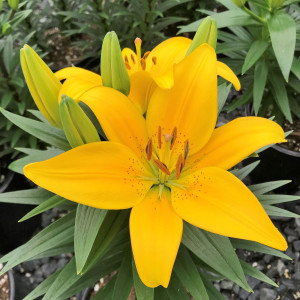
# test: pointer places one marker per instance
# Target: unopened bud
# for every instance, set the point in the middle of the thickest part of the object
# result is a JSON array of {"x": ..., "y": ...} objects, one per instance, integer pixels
[
  {"x": 206, "y": 33},
  {"x": 13, "y": 4},
  {"x": 77, "y": 126},
  {"x": 113, "y": 70},
  {"x": 6, "y": 29},
  {"x": 42, "y": 83},
  {"x": 239, "y": 3}
]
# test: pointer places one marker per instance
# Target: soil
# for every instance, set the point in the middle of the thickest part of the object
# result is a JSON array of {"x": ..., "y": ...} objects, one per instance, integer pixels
[
  {"x": 293, "y": 140},
  {"x": 4, "y": 286}
]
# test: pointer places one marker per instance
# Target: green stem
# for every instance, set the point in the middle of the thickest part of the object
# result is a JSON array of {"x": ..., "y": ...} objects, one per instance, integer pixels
[{"x": 253, "y": 15}]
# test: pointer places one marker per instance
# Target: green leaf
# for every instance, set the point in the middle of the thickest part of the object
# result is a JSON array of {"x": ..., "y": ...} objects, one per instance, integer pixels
[
  {"x": 216, "y": 251},
  {"x": 106, "y": 291},
  {"x": 212, "y": 292},
  {"x": 176, "y": 290},
  {"x": 296, "y": 67},
  {"x": 109, "y": 228},
  {"x": 259, "y": 83},
  {"x": 223, "y": 92},
  {"x": 142, "y": 291},
  {"x": 8, "y": 53},
  {"x": 280, "y": 94},
  {"x": 282, "y": 30},
  {"x": 124, "y": 281},
  {"x": 46, "y": 205},
  {"x": 262, "y": 188},
  {"x": 188, "y": 274},
  {"x": 245, "y": 171},
  {"x": 32, "y": 196},
  {"x": 253, "y": 246},
  {"x": 87, "y": 224},
  {"x": 279, "y": 212},
  {"x": 39, "y": 155},
  {"x": 256, "y": 50},
  {"x": 58, "y": 233},
  {"x": 251, "y": 271},
  {"x": 276, "y": 199},
  {"x": 42, "y": 131}
]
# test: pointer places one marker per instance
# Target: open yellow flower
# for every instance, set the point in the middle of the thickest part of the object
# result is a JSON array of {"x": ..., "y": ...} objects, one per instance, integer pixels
[{"x": 168, "y": 167}]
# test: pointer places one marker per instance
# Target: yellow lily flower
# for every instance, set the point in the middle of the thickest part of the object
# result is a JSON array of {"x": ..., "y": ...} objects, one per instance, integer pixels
[{"x": 171, "y": 166}]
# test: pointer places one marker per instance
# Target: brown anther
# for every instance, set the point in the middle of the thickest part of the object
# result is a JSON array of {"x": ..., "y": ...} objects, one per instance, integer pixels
[
  {"x": 126, "y": 59},
  {"x": 127, "y": 66},
  {"x": 154, "y": 60},
  {"x": 162, "y": 166},
  {"x": 143, "y": 64},
  {"x": 186, "y": 149},
  {"x": 149, "y": 149},
  {"x": 132, "y": 58},
  {"x": 168, "y": 137},
  {"x": 174, "y": 134},
  {"x": 179, "y": 166},
  {"x": 146, "y": 54},
  {"x": 159, "y": 137}
]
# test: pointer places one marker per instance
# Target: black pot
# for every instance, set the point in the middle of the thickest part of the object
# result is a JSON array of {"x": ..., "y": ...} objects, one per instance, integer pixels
[
  {"x": 84, "y": 295},
  {"x": 278, "y": 163},
  {"x": 14, "y": 234}
]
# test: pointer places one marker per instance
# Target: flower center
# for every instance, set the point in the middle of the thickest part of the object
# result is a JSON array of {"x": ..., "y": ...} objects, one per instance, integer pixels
[{"x": 161, "y": 158}]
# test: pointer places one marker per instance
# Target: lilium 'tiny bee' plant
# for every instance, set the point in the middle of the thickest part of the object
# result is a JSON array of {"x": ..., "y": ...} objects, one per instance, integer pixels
[{"x": 168, "y": 167}]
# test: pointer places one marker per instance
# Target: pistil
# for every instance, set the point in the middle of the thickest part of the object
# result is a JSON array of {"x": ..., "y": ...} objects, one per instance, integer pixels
[{"x": 138, "y": 45}]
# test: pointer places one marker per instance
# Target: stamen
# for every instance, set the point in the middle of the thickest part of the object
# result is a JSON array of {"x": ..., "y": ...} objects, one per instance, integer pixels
[
  {"x": 186, "y": 149},
  {"x": 126, "y": 59},
  {"x": 154, "y": 59},
  {"x": 143, "y": 63},
  {"x": 132, "y": 58},
  {"x": 149, "y": 149},
  {"x": 179, "y": 166},
  {"x": 159, "y": 137},
  {"x": 168, "y": 137},
  {"x": 162, "y": 166},
  {"x": 146, "y": 54},
  {"x": 127, "y": 66},
  {"x": 174, "y": 134}
]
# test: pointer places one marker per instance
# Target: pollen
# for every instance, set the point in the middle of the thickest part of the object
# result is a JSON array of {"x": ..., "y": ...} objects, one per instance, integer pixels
[
  {"x": 143, "y": 64},
  {"x": 126, "y": 59},
  {"x": 159, "y": 137},
  {"x": 146, "y": 54},
  {"x": 132, "y": 58},
  {"x": 186, "y": 149},
  {"x": 149, "y": 149},
  {"x": 162, "y": 166},
  {"x": 179, "y": 166},
  {"x": 174, "y": 136},
  {"x": 127, "y": 66},
  {"x": 154, "y": 60}
]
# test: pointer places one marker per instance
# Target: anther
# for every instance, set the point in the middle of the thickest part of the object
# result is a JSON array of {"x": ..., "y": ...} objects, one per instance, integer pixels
[
  {"x": 149, "y": 149},
  {"x": 162, "y": 166},
  {"x": 186, "y": 149},
  {"x": 146, "y": 54},
  {"x": 174, "y": 136},
  {"x": 126, "y": 59},
  {"x": 179, "y": 166},
  {"x": 159, "y": 137},
  {"x": 143, "y": 63},
  {"x": 154, "y": 59},
  {"x": 127, "y": 66},
  {"x": 132, "y": 58}
]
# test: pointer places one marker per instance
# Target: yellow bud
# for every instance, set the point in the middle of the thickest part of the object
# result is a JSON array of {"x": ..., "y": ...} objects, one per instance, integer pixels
[
  {"x": 113, "y": 69},
  {"x": 13, "y": 4},
  {"x": 239, "y": 3},
  {"x": 77, "y": 126},
  {"x": 42, "y": 83},
  {"x": 206, "y": 33}
]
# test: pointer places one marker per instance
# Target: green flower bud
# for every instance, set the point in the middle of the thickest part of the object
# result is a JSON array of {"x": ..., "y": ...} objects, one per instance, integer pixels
[
  {"x": 42, "y": 83},
  {"x": 1, "y": 4},
  {"x": 113, "y": 69},
  {"x": 206, "y": 33},
  {"x": 239, "y": 3},
  {"x": 276, "y": 3},
  {"x": 77, "y": 126},
  {"x": 13, "y": 4},
  {"x": 6, "y": 29}
]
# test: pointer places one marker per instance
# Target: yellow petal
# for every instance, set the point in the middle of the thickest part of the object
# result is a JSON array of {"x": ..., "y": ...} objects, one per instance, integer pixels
[
  {"x": 225, "y": 72},
  {"x": 75, "y": 87},
  {"x": 130, "y": 60},
  {"x": 142, "y": 87},
  {"x": 119, "y": 118},
  {"x": 191, "y": 104},
  {"x": 155, "y": 231},
  {"x": 231, "y": 143},
  {"x": 102, "y": 175},
  {"x": 80, "y": 73},
  {"x": 217, "y": 201}
]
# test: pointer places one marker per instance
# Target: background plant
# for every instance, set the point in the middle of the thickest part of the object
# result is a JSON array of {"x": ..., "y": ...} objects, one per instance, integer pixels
[{"x": 262, "y": 42}]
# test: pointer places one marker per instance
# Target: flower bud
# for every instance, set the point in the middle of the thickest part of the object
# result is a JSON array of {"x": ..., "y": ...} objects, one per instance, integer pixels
[
  {"x": 239, "y": 3},
  {"x": 13, "y": 4},
  {"x": 77, "y": 126},
  {"x": 206, "y": 33},
  {"x": 42, "y": 83},
  {"x": 1, "y": 4},
  {"x": 6, "y": 29},
  {"x": 113, "y": 69}
]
